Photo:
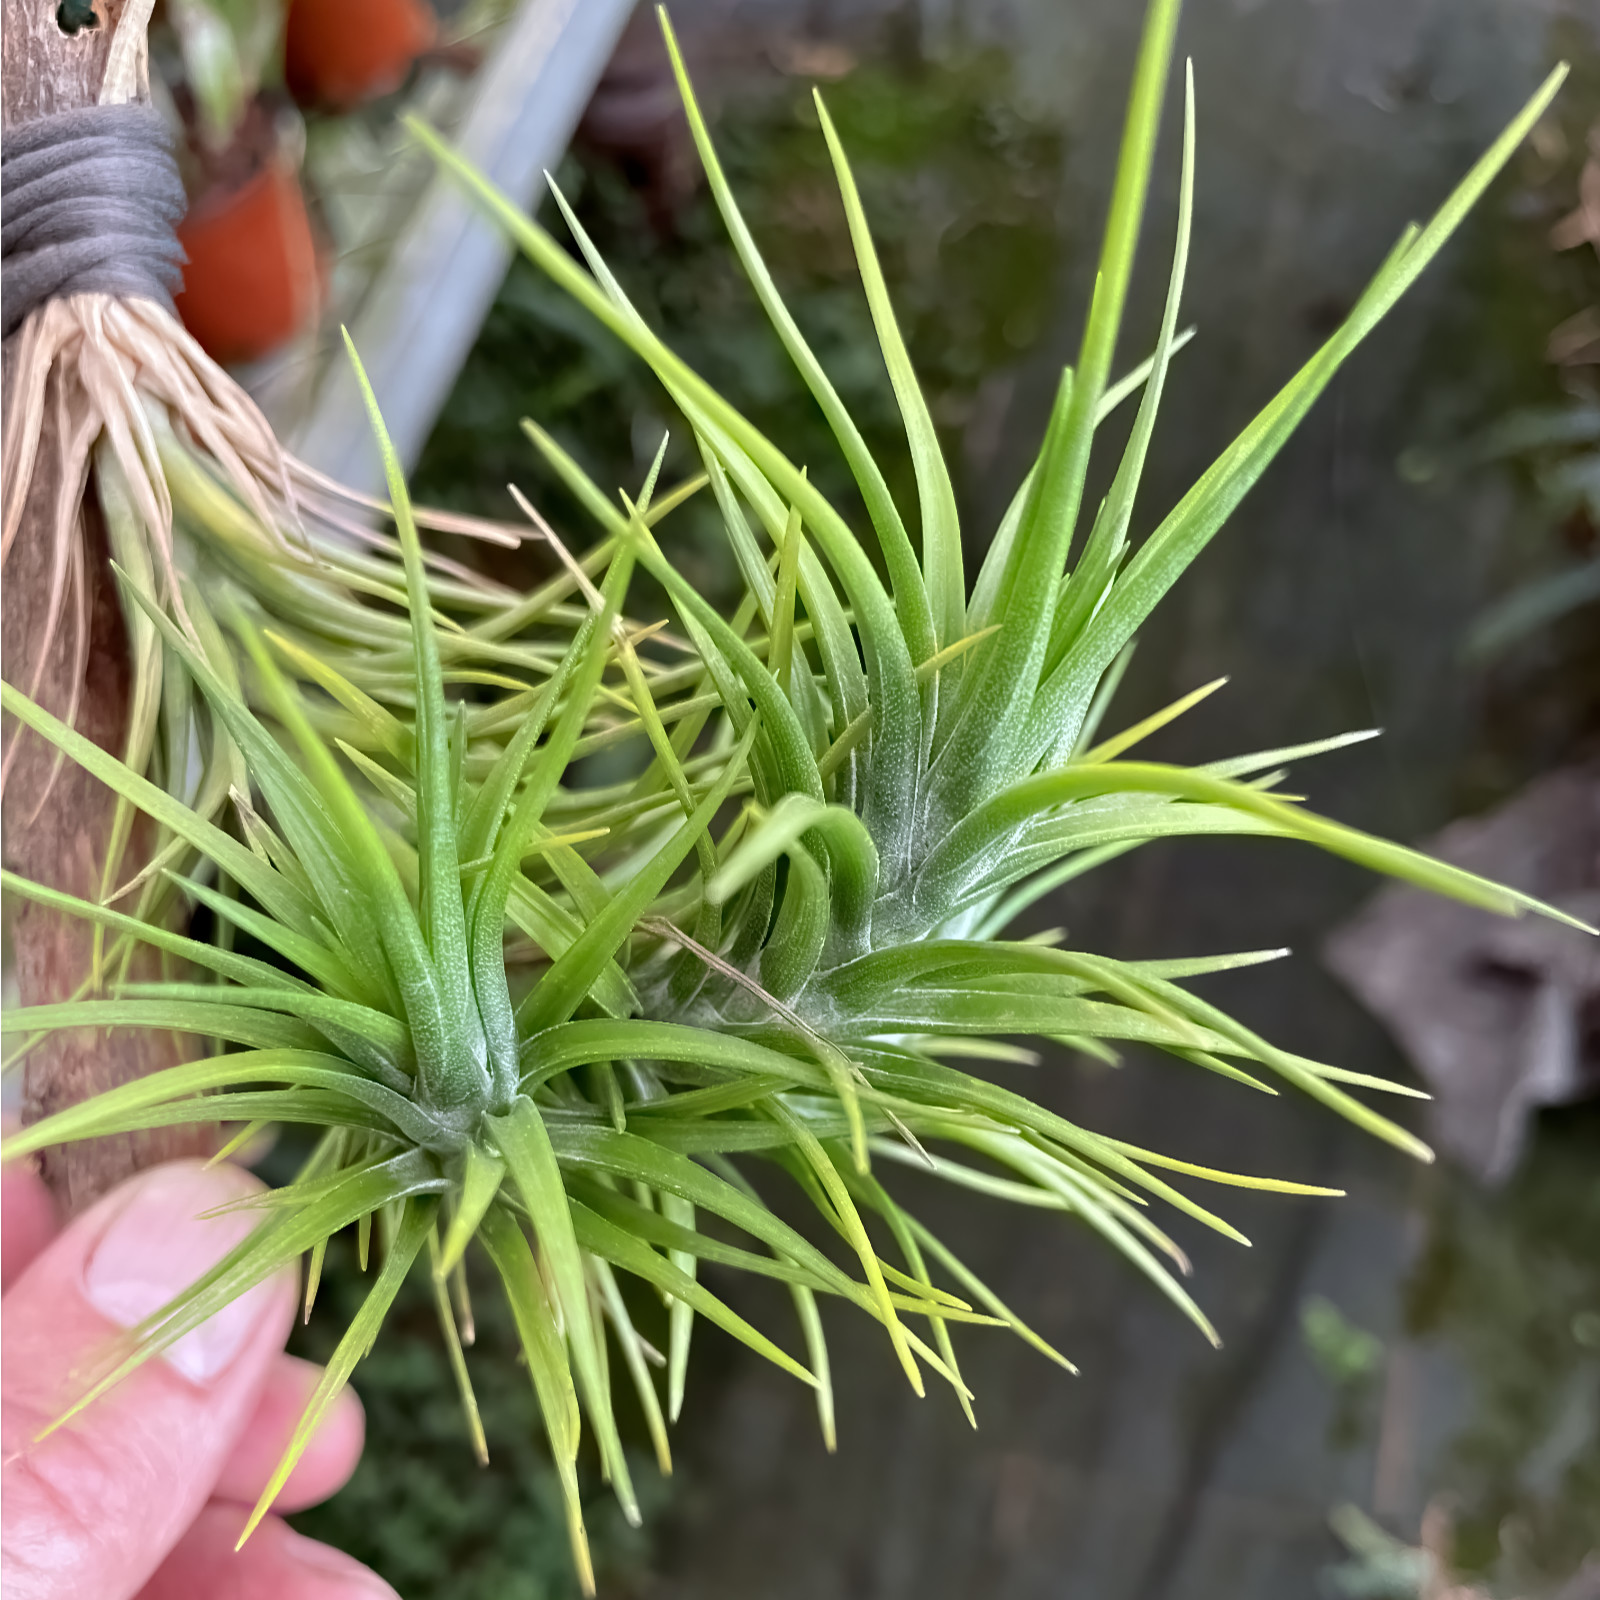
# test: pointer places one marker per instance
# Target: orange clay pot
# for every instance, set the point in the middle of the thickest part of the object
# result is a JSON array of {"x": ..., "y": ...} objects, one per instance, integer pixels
[
  {"x": 338, "y": 53},
  {"x": 254, "y": 278}
]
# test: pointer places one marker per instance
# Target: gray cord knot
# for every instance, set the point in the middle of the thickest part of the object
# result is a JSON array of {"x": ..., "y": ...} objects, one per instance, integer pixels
[{"x": 90, "y": 199}]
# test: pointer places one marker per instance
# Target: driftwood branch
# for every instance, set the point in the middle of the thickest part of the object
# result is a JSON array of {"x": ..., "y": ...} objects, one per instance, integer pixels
[
  {"x": 62, "y": 842},
  {"x": 45, "y": 69}
]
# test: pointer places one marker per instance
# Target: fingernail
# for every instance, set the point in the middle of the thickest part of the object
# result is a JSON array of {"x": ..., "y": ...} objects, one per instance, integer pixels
[
  {"x": 324, "y": 1561},
  {"x": 159, "y": 1244}
]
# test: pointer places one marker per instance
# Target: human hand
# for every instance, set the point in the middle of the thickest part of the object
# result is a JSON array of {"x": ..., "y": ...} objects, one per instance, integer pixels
[{"x": 144, "y": 1493}]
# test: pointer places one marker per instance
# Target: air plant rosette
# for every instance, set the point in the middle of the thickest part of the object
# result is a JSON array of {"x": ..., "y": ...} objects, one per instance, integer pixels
[
  {"x": 124, "y": 440},
  {"x": 588, "y": 1031}
]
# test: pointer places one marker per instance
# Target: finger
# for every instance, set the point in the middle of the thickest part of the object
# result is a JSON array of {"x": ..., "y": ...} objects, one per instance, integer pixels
[
  {"x": 27, "y": 1220},
  {"x": 94, "y": 1507},
  {"x": 329, "y": 1460},
  {"x": 276, "y": 1564}
]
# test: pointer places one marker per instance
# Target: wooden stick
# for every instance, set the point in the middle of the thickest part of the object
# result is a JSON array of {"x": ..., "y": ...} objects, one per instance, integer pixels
[{"x": 45, "y": 70}]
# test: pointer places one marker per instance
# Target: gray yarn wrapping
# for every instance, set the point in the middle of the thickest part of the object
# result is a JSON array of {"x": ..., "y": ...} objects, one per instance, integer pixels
[{"x": 90, "y": 201}]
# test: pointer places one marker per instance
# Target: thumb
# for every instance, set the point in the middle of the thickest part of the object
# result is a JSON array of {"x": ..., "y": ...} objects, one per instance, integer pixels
[{"x": 93, "y": 1508}]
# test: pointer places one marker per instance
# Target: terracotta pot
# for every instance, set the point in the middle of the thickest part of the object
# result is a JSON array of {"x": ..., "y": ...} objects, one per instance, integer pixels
[
  {"x": 338, "y": 53},
  {"x": 254, "y": 278}
]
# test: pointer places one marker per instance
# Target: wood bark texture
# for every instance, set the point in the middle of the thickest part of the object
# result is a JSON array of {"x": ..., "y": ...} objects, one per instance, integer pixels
[
  {"x": 62, "y": 842},
  {"x": 46, "y": 70}
]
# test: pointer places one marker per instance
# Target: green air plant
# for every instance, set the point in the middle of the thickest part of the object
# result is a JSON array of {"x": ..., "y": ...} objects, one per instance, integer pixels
[
  {"x": 200, "y": 502},
  {"x": 113, "y": 408},
  {"x": 760, "y": 957},
  {"x": 195, "y": 495}
]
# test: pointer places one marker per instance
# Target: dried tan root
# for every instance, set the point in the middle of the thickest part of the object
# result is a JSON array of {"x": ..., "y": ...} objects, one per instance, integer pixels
[{"x": 117, "y": 370}]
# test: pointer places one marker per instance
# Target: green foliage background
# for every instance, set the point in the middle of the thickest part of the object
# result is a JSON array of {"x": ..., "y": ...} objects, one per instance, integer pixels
[{"x": 1511, "y": 1283}]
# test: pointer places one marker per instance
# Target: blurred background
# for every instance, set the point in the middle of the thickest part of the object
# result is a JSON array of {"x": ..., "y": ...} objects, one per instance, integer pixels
[{"x": 1407, "y": 1401}]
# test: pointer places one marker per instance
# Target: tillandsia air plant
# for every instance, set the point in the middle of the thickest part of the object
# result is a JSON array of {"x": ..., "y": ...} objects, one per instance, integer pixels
[
  {"x": 108, "y": 393},
  {"x": 124, "y": 443},
  {"x": 571, "y": 1028}
]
